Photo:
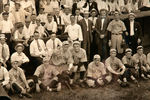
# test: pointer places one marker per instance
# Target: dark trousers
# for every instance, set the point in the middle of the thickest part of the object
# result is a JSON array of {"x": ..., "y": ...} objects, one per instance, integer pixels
[
  {"x": 81, "y": 75},
  {"x": 86, "y": 45},
  {"x": 132, "y": 43},
  {"x": 102, "y": 46},
  {"x": 127, "y": 74},
  {"x": 36, "y": 61}
]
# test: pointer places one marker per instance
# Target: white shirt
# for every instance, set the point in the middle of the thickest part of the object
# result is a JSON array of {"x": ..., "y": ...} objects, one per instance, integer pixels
[
  {"x": 62, "y": 20},
  {"x": 12, "y": 5},
  {"x": 67, "y": 19},
  {"x": 78, "y": 18},
  {"x": 6, "y": 48},
  {"x": 51, "y": 26},
  {"x": 6, "y": 26},
  {"x": 32, "y": 28},
  {"x": 68, "y": 3},
  {"x": 18, "y": 35},
  {"x": 102, "y": 23},
  {"x": 29, "y": 5},
  {"x": 19, "y": 15},
  {"x": 41, "y": 30},
  {"x": 19, "y": 57},
  {"x": 93, "y": 20},
  {"x": 74, "y": 32},
  {"x": 49, "y": 43},
  {"x": 131, "y": 28},
  {"x": 146, "y": 3},
  {"x": 10, "y": 17},
  {"x": 102, "y": 5},
  {"x": 26, "y": 31},
  {"x": 4, "y": 75},
  {"x": 34, "y": 48},
  {"x": 42, "y": 17}
]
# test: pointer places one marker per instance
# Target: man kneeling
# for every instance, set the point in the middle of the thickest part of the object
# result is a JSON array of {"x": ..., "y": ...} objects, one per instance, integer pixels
[{"x": 96, "y": 73}]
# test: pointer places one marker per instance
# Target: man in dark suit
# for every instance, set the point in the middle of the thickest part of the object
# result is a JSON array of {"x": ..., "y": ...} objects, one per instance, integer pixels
[
  {"x": 91, "y": 4},
  {"x": 101, "y": 33},
  {"x": 60, "y": 24},
  {"x": 86, "y": 26},
  {"x": 134, "y": 36}
]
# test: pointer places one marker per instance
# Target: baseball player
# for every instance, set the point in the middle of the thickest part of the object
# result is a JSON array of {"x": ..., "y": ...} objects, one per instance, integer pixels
[
  {"x": 96, "y": 73},
  {"x": 116, "y": 68}
]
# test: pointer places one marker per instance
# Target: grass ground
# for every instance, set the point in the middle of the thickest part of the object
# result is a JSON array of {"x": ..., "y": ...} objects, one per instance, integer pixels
[{"x": 109, "y": 92}]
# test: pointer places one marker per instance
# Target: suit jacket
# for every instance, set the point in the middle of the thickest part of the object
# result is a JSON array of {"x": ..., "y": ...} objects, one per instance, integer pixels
[
  {"x": 86, "y": 35},
  {"x": 93, "y": 5},
  {"x": 74, "y": 7},
  {"x": 98, "y": 26},
  {"x": 137, "y": 29}
]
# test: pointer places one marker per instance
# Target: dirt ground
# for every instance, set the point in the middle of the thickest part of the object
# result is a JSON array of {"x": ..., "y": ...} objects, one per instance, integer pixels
[{"x": 108, "y": 92}]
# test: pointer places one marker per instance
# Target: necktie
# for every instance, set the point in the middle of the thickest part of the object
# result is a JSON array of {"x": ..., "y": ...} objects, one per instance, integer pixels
[
  {"x": 38, "y": 44},
  {"x": 53, "y": 44},
  {"x": 4, "y": 54}
]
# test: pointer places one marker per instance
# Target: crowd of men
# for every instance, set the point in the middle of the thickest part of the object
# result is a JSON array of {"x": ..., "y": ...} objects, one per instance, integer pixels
[{"x": 51, "y": 41}]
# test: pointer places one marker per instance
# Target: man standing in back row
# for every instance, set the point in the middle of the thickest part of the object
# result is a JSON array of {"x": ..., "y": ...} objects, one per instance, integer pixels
[
  {"x": 86, "y": 26},
  {"x": 102, "y": 33},
  {"x": 134, "y": 30}
]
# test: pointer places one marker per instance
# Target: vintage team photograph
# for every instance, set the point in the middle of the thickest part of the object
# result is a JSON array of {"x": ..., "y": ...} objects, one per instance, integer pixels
[{"x": 74, "y": 49}]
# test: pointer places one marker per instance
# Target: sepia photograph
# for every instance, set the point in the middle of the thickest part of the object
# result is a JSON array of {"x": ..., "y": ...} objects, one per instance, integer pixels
[{"x": 74, "y": 49}]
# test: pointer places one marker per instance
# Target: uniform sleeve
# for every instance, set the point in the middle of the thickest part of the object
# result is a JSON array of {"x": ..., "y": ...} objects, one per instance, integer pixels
[
  {"x": 103, "y": 69},
  {"x": 70, "y": 59},
  {"x": 84, "y": 57},
  {"x": 148, "y": 58},
  {"x": 38, "y": 71},
  {"x": 23, "y": 77},
  {"x": 124, "y": 60},
  {"x": 107, "y": 63},
  {"x": 144, "y": 59},
  {"x": 6, "y": 77},
  {"x": 89, "y": 70},
  {"x": 109, "y": 28},
  {"x": 120, "y": 63},
  {"x": 55, "y": 72},
  {"x": 123, "y": 27},
  {"x": 12, "y": 78}
]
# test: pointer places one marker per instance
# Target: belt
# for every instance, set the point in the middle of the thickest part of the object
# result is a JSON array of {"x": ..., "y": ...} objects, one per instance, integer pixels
[{"x": 116, "y": 34}]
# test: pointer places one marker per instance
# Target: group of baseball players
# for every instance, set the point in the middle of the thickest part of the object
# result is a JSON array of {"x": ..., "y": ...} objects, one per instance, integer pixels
[{"x": 45, "y": 49}]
